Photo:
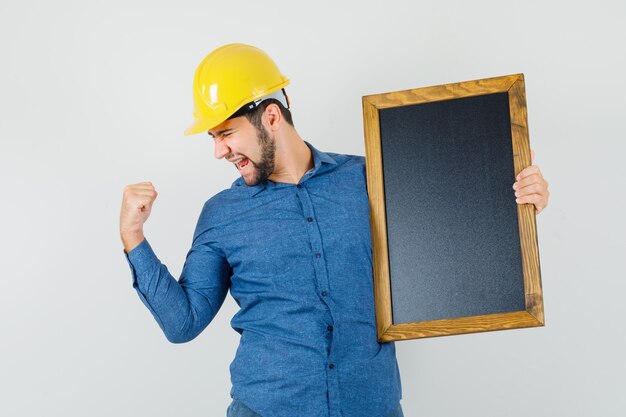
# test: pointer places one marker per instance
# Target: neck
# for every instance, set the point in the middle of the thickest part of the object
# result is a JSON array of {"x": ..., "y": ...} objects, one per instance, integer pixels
[{"x": 292, "y": 160}]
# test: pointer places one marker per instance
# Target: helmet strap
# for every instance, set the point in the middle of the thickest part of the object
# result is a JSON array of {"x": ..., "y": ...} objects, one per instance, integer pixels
[{"x": 247, "y": 108}]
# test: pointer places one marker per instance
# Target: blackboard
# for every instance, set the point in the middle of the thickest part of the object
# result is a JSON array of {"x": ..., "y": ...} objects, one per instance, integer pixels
[{"x": 453, "y": 252}]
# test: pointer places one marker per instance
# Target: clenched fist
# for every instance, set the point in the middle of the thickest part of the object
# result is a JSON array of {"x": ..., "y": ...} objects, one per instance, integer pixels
[{"x": 136, "y": 207}]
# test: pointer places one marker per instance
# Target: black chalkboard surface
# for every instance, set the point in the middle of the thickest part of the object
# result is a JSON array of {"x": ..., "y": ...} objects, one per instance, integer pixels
[{"x": 453, "y": 252}]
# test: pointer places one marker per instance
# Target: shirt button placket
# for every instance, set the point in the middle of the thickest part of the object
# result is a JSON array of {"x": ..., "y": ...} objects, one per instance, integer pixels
[
  {"x": 315, "y": 239},
  {"x": 323, "y": 288}
]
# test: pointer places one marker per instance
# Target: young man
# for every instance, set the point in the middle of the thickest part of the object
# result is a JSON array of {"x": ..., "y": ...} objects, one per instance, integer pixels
[{"x": 291, "y": 240}]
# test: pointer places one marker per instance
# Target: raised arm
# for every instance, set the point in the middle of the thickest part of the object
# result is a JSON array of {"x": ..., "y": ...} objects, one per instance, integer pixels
[{"x": 185, "y": 307}]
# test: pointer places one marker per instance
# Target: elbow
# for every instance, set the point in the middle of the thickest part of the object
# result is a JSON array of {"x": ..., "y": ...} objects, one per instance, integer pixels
[
  {"x": 183, "y": 335},
  {"x": 190, "y": 329},
  {"x": 178, "y": 338}
]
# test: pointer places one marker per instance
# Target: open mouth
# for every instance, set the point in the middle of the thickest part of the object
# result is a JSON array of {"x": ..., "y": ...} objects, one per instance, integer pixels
[{"x": 242, "y": 164}]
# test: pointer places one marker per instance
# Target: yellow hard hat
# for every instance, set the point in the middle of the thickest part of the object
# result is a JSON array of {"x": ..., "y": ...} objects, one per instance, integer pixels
[{"x": 229, "y": 78}]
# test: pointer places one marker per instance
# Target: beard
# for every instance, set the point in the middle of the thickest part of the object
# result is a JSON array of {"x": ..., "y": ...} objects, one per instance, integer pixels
[{"x": 265, "y": 167}]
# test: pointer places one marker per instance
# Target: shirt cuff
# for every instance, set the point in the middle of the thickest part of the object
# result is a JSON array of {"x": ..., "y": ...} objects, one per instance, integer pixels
[{"x": 141, "y": 259}]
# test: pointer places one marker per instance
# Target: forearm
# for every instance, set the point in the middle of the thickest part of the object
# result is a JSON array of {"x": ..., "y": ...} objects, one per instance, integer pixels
[{"x": 181, "y": 314}]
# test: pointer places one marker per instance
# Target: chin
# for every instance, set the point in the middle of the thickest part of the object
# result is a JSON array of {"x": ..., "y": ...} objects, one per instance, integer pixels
[{"x": 250, "y": 182}]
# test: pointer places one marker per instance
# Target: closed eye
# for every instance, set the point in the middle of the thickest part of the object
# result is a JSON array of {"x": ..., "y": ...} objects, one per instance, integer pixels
[{"x": 222, "y": 133}]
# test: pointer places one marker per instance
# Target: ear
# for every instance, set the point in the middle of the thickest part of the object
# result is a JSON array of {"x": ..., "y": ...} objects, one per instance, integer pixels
[{"x": 273, "y": 117}]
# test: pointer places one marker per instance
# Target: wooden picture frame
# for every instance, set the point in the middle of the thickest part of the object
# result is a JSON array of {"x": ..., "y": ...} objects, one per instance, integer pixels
[{"x": 527, "y": 311}]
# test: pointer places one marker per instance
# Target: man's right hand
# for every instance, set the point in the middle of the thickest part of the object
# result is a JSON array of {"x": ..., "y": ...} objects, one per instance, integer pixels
[{"x": 136, "y": 207}]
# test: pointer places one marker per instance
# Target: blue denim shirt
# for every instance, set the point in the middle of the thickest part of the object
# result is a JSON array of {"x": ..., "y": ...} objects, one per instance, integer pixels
[{"x": 298, "y": 261}]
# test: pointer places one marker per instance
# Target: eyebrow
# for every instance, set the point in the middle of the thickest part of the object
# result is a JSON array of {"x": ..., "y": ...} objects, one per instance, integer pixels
[{"x": 220, "y": 132}]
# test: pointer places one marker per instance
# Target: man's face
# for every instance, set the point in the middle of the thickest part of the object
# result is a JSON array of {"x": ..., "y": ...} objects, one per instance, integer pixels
[{"x": 250, "y": 149}]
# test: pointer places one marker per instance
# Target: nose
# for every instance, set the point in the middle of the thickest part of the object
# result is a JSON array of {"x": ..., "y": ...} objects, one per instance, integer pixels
[{"x": 221, "y": 149}]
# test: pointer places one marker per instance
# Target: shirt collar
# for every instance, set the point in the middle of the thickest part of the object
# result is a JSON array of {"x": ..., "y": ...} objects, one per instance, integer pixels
[{"x": 319, "y": 158}]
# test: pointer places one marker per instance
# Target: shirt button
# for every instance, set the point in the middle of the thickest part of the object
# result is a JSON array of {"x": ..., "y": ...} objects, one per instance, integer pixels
[
  {"x": 309, "y": 219},
  {"x": 324, "y": 293},
  {"x": 331, "y": 366},
  {"x": 317, "y": 254},
  {"x": 329, "y": 328},
  {"x": 299, "y": 185}
]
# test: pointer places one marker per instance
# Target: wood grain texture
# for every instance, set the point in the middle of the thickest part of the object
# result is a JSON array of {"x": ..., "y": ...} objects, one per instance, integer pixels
[
  {"x": 461, "y": 325},
  {"x": 525, "y": 212},
  {"x": 533, "y": 316},
  {"x": 442, "y": 92},
  {"x": 378, "y": 222}
]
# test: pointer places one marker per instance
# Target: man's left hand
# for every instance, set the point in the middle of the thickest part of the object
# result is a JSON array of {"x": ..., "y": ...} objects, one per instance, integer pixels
[{"x": 531, "y": 187}]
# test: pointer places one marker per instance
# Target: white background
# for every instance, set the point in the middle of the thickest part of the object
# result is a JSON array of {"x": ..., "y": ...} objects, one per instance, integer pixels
[{"x": 96, "y": 95}]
